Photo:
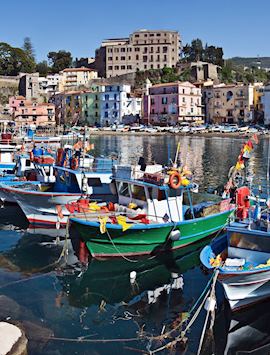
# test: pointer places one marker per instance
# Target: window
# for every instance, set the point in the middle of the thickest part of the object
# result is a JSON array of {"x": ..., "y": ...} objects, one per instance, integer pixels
[
  {"x": 151, "y": 66},
  {"x": 137, "y": 192},
  {"x": 129, "y": 57},
  {"x": 153, "y": 111},
  {"x": 115, "y": 105},
  {"x": 183, "y": 99},
  {"x": 151, "y": 35},
  {"x": 116, "y": 67},
  {"x": 191, "y": 110},
  {"x": 116, "y": 58},
  {"x": 129, "y": 67},
  {"x": 152, "y": 101},
  {"x": 115, "y": 114},
  {"x": 106, "y": 114},
  {"x": 123, "y": 58},
  {"x": 110, "y": 67},
  {"x": 107, "y": 97},
  {"x": 107, "y": 105},
  {"x": 137, "y": 36},
  {"x": 123, "y": 189},
  {"x": 145, "y": 58},
  {"x": 164, "y": 100},
  {"x": 94, "y": 182},
  {"x": 164, "y": 49},
  {"x": 164, "y": 58},
  {"x": 109, "y": 58},
  {"x": 145, "y": 66},
  {"x": 137, "y": 49},
  {"x": 158, "y": 34},
  {"x": 183, "y": 91},
  {"x": 145, "y": 35},
  {"x": 158, "y": 66},
  {"x": 115, "y": 96},
  {"x": 145, "y": 50},
  {"x": 109, "y": 50},
  {"x": 158, "y": 49},
  {"x": 137, "y": 57},
  {"x": 116, "y": 50},
  {"x": 123, "y": 50}
]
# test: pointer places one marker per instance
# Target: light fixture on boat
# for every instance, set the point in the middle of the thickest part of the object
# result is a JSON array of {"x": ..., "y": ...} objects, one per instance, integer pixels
[{"x": 175, "y": 235}]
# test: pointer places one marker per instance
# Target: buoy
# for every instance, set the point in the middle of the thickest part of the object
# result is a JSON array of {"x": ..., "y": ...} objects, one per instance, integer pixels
[
  {"x": 210, "y": 304},
  {"x": 132, "y": 276},
  {"x": 175, "y": 235}
]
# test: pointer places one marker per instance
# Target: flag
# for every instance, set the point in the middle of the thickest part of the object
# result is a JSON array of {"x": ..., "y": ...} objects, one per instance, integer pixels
[
  {"x": 102, "y": 226},
  {"x": 122, "y": 221}
]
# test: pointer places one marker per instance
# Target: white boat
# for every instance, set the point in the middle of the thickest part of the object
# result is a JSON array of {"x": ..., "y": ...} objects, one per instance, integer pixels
[
  {"x": 41, "y": 202},
  {"x": 7, "y": 153}
]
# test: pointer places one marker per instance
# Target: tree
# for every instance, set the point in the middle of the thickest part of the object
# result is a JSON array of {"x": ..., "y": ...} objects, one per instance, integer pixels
[
  {"x": 59, "y": 60},
  {"x": 43, "y": 68},
  {"x": 28, "y": 48},
  {"x": 14, "y": 60}
]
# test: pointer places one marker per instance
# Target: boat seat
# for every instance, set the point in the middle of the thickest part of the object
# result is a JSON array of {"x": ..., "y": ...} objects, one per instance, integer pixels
[{"x": 252, "y": 257}]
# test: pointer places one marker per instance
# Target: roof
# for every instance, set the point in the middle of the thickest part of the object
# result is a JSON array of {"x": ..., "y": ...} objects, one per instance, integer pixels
[
  {"x": 175, "y": 83},
  {"x": 78, "y": 69}
]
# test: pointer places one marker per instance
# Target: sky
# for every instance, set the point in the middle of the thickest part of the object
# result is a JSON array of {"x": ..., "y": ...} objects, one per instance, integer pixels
[{"x": 241, "y": 27}]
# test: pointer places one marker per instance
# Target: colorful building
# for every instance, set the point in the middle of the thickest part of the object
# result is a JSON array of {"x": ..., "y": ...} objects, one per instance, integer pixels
[
  {"x": 232, "y": 103},
  {"x": 117, "y": 102},
  {"x": 27, "y": 112},
  {"x": 172, "y": 103}
]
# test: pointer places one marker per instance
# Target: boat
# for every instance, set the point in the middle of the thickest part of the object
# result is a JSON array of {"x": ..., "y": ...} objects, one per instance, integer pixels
[
  {"x": 43, "y": 203},
  {"x": 7, "y": 153},
  {"x": 242, "y": 254},
  {"x": 152, "y": 214}
]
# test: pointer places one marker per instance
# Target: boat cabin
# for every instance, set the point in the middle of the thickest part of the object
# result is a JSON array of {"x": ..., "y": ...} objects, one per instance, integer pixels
[{"x": 7, "y": 157}]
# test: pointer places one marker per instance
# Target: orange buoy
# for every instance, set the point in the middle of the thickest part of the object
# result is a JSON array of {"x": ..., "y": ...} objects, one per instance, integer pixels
[{"x": 175, "y": 180}]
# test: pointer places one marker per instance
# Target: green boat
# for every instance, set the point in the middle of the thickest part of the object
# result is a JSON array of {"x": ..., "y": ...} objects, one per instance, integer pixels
[{"x": 164, "y": 218}]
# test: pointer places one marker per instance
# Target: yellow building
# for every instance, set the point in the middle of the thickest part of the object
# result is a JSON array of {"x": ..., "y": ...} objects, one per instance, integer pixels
[
  {"x": 71, "y": 78},
  {"x": 258, "y": 93}
]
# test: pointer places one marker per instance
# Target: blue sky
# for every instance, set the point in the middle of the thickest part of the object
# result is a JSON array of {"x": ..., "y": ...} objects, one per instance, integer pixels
[{"x": 241, "y": 27}]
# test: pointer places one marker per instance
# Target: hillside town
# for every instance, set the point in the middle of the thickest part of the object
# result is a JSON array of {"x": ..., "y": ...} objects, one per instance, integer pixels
[{"x": 104, "y": 91}]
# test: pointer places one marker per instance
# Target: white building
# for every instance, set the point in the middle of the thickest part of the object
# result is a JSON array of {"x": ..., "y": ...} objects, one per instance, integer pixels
[
  {"x": 266, "y": 104},
  {"x": 117, "y": 102},
  {"x": 49, "y": 84}
]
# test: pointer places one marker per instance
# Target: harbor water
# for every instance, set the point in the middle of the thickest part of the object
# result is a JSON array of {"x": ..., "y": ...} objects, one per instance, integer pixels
[{"x": 69, "y": 309}]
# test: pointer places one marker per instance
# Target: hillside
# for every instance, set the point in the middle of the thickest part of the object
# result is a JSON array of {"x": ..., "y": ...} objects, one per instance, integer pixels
[{"x": 251, "y": 61}]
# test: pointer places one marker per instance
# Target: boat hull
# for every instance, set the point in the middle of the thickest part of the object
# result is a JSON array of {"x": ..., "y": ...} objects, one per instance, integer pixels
[
  {"x": 143, "y": 239},
  {"x": 40, "y": 208},
  {"x": 244, "y": 289}
]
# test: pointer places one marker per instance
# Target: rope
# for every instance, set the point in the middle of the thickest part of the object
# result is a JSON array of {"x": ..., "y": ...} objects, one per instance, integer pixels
[
  {"x": 118, "y": 251},
  {"x": 212, "y": 294}
]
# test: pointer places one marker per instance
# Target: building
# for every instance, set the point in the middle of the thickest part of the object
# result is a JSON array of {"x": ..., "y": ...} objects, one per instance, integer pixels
[
  {"x": 71, "y": 78},
  {"x": 172, "y": 103},
  {"x": 30, "y": 112},
  {"x": 266, "y": 104},
  {"x": 49, "y": 84},
  {"x": 229, "y": 103},
  {"x": 144, "y": 49},
  {"x": 117, "y": 102},
  {"x": 201, "y": 71},
  {"x": 29, "y": 85}
]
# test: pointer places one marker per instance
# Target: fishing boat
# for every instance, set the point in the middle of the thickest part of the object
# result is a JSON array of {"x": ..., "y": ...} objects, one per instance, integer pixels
[
  {"x": 43, "y": 203},
  {"x": 7, "y": 153},
  {"x": 156, "y": 211},
  {"x": 242, "y": 254}
]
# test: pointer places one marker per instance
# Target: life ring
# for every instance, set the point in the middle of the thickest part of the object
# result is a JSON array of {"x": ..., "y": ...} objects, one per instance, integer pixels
[
  {"x": 74, "y": 164},
  {"x": 175, "y": 180}
]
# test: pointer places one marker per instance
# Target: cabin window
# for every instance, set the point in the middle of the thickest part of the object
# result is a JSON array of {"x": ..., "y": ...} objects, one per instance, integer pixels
[
  {"x": 94, "y": 182},
  {"x": 123, "y": 189},
  {"x": 138, "y": 192}
]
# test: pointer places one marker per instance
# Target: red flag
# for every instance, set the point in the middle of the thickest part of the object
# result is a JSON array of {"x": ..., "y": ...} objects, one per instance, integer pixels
[{"x": 255, "y": 138}]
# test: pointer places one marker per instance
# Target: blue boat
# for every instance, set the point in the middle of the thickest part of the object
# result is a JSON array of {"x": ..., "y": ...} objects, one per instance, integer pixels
[{"x": 242, "y": 258}]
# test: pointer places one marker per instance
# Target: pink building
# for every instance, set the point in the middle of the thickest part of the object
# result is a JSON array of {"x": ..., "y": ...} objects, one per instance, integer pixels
[
  {"x": 27, "y": 112},
  {"x": 172, "y": 103}
]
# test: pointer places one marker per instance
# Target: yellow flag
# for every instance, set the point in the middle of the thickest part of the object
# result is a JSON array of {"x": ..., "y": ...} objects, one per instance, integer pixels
[
  {"x": 122, "y": 221},
  {"x": 93, "y": 206},
  {"x": 102, "y": 226}
]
